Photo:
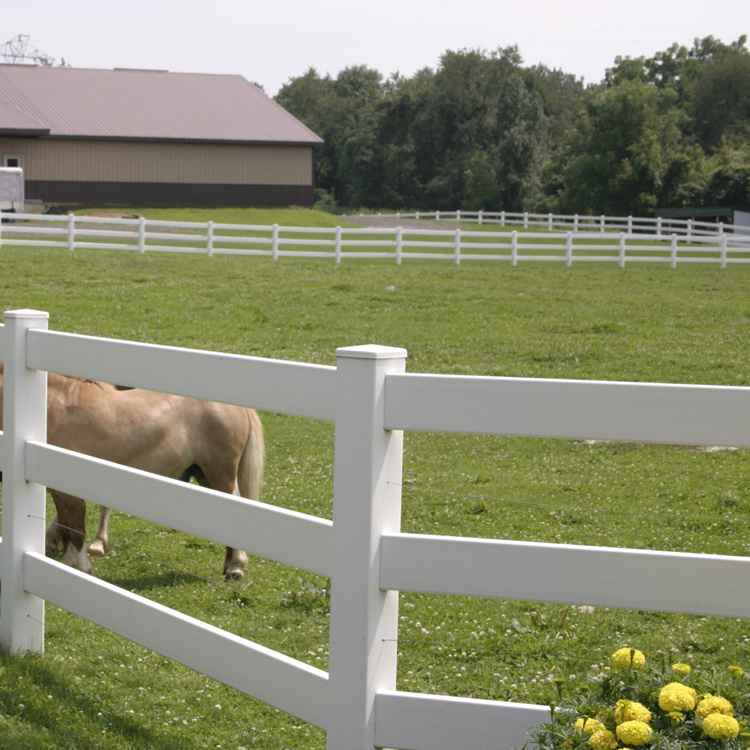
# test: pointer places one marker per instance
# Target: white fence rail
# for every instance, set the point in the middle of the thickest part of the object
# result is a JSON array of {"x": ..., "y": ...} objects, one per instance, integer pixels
[
  {"x": 371, "y": 400},
  {"x": 398, "y": 244},
  {"x": 581, "y": 222}
]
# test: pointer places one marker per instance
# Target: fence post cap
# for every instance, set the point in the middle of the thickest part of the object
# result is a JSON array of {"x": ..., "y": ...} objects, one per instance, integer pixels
[
  {"x": 26, "y": 314},
  {"x": 371, "y": 351}
]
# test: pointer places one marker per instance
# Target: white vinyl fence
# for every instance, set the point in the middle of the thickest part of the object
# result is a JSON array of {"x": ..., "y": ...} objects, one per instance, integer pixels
[
  {"x": 581, "y": 222},
  {"x": 142, "y": 235},
  {"x": 371, "y": 400}
]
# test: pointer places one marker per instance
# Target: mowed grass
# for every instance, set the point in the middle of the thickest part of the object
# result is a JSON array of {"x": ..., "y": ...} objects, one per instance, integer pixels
[{"x": 593, "y": 321}]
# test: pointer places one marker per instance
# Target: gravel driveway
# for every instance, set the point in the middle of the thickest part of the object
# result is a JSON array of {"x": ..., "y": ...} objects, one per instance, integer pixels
[{"x": 372, "y": 221}]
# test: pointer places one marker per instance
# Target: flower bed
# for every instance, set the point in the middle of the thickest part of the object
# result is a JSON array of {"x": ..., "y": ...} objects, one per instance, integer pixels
[{"x": 650, "y": 705}]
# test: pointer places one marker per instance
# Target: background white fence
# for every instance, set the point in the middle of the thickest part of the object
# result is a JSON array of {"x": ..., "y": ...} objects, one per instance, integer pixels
[
  {"x": 371, "y": 400},
  {"x": 580, "y": 222},
  {"x": 210, "y": 238}
]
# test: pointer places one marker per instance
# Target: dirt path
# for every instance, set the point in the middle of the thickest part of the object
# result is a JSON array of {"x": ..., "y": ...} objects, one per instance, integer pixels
[{"x": 372, "y": 221}]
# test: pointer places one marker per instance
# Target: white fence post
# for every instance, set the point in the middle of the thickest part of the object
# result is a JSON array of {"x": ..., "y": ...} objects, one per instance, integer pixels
[
  {"x": 366, "y": 504},
  {"x": 24, "y": 418},
  {"x": 71, "y": 232},
  {"x": 569, "y": 249},
  {"x": 622, "y": 250},
  {"x": 457, "y": 247},
  {"x": 142, "y": 235},
  {"x": 275, "y": 241},
  {"x": 399, "y": 245},
  {"x": 514, "y": 248},
  {"x": 673, "y": 252},
  {"x": 337, "y": 249},
  {"x": 723, "y": 250},
  {"x": 209, "y": 238}
]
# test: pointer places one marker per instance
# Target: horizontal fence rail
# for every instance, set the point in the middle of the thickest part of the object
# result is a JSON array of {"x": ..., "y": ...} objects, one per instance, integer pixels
[
  {"x": 612, "y": 242},
  {"x": 575, "y": 409},
  {"x": 275, "y": 533},
  {"x": 372, "y": 401}
]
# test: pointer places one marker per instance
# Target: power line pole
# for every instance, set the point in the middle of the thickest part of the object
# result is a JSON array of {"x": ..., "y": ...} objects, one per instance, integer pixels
[{"x": 17, "y": 51}]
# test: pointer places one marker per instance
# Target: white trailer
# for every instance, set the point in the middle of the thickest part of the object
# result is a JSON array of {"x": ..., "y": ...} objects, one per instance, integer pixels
[{"x": 11, "y": 189}]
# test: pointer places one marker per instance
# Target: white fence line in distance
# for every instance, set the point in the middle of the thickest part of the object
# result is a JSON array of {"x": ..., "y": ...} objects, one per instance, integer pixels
[
  {"x": 398, "y": 244},
  {"x": 582, "y": 222},
  {"x": 371, "y": 400}
]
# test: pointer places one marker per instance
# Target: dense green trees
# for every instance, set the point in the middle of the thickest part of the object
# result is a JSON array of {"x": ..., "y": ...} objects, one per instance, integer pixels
[{"x": 482, "y": 131}]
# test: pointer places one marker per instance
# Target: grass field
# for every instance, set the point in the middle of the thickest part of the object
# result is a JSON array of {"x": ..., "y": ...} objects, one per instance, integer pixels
[{"x": 641, "y": 323}]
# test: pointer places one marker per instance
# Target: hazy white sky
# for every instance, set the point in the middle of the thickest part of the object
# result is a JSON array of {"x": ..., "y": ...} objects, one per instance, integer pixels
[{"x": 271, "y": 41}]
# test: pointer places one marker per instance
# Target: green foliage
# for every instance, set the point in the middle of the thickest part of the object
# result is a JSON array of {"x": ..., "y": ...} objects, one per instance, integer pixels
[
  {"x": 627, "y": 141},
  {"x": 412, "y": 142},
  {"x": 482, "y": 131}
]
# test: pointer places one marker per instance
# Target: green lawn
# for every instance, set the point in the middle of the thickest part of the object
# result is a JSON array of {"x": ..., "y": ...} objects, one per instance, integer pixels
[{"x": 592, "y": 321}]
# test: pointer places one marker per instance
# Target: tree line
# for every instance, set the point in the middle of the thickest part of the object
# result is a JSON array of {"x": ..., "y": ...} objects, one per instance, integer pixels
[{"x": 482, "y": 131}]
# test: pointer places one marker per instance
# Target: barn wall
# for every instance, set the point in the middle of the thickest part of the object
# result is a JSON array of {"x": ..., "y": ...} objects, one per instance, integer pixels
[
  {"x": 132, "y": 172},
  {"x": 169, "y": 193}
]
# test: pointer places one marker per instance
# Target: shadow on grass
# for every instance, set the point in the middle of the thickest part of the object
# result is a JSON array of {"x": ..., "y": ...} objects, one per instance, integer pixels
[
  {"x": 41, "y": 706},
  {"x": 141, "y": 584}
]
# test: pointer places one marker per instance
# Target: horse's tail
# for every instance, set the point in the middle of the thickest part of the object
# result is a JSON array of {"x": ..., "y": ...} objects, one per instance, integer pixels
[{"x": 250, "y": 470}]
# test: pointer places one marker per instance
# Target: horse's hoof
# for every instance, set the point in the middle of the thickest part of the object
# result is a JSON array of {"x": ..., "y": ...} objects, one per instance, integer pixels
[
  {"x": 234, "y": 575},
  {"x": 96, "y": 548}
]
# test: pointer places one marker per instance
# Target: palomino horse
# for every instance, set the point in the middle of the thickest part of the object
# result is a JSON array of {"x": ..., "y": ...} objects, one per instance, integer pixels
[{"x": 218, "y": 445}]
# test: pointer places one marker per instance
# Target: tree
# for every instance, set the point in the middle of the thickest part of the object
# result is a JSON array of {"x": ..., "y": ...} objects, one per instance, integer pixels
[
  {"x": 311, "y": 99},
  {"x": 720, "y": 97},
  {"x": 482, "y": 131},
  {"x": 625, "y": 144},
  {"x": 729, "y": 184}
]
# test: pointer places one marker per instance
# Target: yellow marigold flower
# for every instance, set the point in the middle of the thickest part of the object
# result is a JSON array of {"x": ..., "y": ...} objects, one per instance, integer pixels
[
  {"x": 588, "y": 726},
  {"x": 714, "y": 704},
  {"x": 628, "y": 658},
  {"x": 631, "y": 711},
  {"x": 721, "y": 727},
  {"x": 737, "y": 671},
  {"x": 681, "y": 668},
  {"x": 677, "y": 697},
  {"x": 603, "y": 740},
  {"x": 634, "y": 732}
]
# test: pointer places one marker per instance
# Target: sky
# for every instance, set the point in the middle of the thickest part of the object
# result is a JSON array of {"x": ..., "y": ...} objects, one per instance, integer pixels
[{"x": 270, "y": 42}]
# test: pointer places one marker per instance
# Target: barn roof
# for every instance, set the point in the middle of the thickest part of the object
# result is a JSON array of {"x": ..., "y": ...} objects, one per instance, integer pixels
[{"x": 149, "y": 105}]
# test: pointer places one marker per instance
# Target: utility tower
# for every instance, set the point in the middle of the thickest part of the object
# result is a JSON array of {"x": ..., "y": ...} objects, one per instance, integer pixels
[{"x": 18, "y": 52}]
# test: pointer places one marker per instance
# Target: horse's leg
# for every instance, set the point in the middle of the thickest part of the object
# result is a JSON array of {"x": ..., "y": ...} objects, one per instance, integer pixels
[
  {"x": 99, "y": 545},
  {"x": 53, "y": 538},
  {"x": 247, "y": 484},
  {"x": 71, "y": 515},
  {"x": 235, "y": 560}
]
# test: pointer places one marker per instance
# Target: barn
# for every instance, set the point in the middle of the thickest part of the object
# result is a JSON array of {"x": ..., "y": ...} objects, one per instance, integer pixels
[{"x": 151, "y": 137}]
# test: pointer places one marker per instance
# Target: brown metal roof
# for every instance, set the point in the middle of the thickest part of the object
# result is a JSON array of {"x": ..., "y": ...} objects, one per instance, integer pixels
[{"x": 142, "y": 105}]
